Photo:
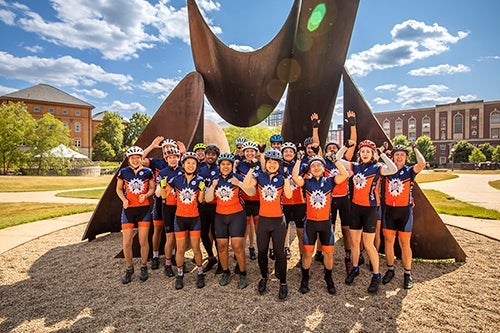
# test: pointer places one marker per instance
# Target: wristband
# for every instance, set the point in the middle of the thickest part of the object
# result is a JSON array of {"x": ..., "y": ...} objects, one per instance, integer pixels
[
  {"x": 262, "y": 148},
  {"x": 348, "y": 145},
  {"x": 252, "y": 164},
  {"x": 351, "y": 121},
  {"x": 315, "y": 123},
  {"x": 315, "y": 149}
]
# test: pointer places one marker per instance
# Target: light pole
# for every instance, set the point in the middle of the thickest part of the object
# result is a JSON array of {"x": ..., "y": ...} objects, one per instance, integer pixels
[{"x": 452, "y": 155}]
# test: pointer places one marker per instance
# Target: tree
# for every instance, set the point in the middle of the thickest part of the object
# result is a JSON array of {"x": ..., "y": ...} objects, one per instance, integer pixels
[
  {"x": 103, "y": 152},
  {"x": 49, "y": 133},
  {"x": 110, "y": 130},
  {"x": 254, "y": 133},
  {"x": 16, "y": 127},
  {"x": 134, "y": 128},
  {"x": 487, "y": 150},
  {"x": 495, "y": 157},
  {"x": 461, "y": 151},
  {"x": 477, "y": 156},
  {"x": 426, "y": 147},
  {"x": 400, "y": 140}
]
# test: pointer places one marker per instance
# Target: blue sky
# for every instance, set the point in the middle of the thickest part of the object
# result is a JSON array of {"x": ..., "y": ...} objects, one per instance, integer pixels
[{"x": 128, "y": 55}]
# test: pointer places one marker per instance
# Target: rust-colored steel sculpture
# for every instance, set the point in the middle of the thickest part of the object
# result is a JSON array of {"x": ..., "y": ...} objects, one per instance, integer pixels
[
  {"x": 243, "y": 87},
  {"x": 180, "y": 117},
  {"x": 430, "y": 237},
  {"x": 319, "y": 55}
]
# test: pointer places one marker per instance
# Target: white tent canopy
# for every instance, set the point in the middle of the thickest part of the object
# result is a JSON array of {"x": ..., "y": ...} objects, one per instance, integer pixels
[{"x": 65, "y": 152}]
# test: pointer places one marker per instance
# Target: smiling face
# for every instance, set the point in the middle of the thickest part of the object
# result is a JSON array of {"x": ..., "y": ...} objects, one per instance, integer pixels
[
  {"x": 288, "y": 154},
  {"x": 272, "y": 165},
  {"x": 317, "y": 169},
  {"x": 249, "y": 154},
  {"x": 399, "y": 158},
  {"x": 276, "y": 145},
  {"x": 366, "y": 154},
  {"x": 225, "y": 167},
  {"x": 210, "y": 157},
  {"x": 201, "y": 154},
  {"x": 135, "y": 161},
  {"x": 190, "y": 165},
  {"x": 173, "y": 160}
]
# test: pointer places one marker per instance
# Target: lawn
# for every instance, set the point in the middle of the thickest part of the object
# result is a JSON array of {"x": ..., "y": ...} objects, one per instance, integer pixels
[
  {"x": 495, "y": 184},
  {"x": 428, "y": 177},
  {"x": 82, "y": 194},
  {"x": 15, "y": 213},
  {"x": 50, "y": 183}
]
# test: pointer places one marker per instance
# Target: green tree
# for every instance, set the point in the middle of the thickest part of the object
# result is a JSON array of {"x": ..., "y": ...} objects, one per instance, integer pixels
[
  {"x": 16, "y": 127},
  {"x": 103, "y": 152},
  {"x": 426, "y": 147},
  {"x": 134, "y": 128},
  {"x": 477, "y": 156},
  {"x": 400, "y": 140},
  {"x": 460, "y": 151},
  {"x": 495, "y": 157},
  {"x": 487, "y": 150},
  {"x": 110, "y": 130},
  {"x": 254, "y": 133},
  {"x": 49, "y": 133}
]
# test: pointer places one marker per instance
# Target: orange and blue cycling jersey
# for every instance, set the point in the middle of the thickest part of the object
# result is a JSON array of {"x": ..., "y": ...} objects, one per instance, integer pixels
[
  {"x": 269, "y": 190},
  {"x": 318, "y": 197},
  {"x": 186, "y": 193},
  {"x": 135, "y": 185},
  {"x": 170, "y": 173},
  {"x": 227, "y": 196},
  {"x": 399, "y": 187},
  {"x": 242, "y": 169},
  {"x": 297, "y": 194},
  {"x": 366, "y": 180},
  {"x": 155, "y": 164},
  {"x": 209, "y": 173},
  {"x": 342, "y": 189}
]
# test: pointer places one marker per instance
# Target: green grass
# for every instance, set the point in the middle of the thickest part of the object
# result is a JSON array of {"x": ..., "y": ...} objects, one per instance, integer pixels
[
  {"x": 434, "y": 177},
  {"x": 495, "y": 184},
  {"x": 15, "y": 213},
  {"x": 446, "y": 204},
  {"x": 82, "y": 194},
  {"x": 50, "y": 183}
]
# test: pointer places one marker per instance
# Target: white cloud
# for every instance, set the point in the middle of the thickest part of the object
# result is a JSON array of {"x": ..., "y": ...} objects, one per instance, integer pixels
[
  {"x": 381, "y": 101},
  {"x": 7, "y": 17},
  {"x": 6, "y": 90},
  {"x": 241, "y": 48},
  {"x": 118, "y": 106},
  {"x": 64, "y": 71},
  {"x": 439, "y": 70},
  {"x": 162, "y": 86},
  {"x": 389, "y": 86},
  {"x": 486, "y": 58},
  {"x": 412, "y": 40},
  {"x": 423, "y": 97},
  {"x": 93, "y": 92},
  {"x": 34, "y": 48}
]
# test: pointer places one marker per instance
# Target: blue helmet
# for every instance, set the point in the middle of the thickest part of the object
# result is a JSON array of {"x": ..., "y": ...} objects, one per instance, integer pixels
[
  {"x": 276, "y": 138},
  {"x": 226, "y": 157}
]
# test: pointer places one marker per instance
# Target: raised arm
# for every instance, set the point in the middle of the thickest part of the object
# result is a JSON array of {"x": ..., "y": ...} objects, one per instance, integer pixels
[
  {"x": 341, "y": 152},
  {"x": 351, "y": 122},
  {"x": 295, "y": 175},
  {"x": 421, "y": 163},
  {"x": 250, "y": 192},
  {"x": 154, "y": 144},
  {"x": 388, "y": 168},
  {"x": 287, "y": 187},
  {"x": 209, "y": 191},
  {"x": 315, "y": 134},
  {"x": 249, "y": 181}
]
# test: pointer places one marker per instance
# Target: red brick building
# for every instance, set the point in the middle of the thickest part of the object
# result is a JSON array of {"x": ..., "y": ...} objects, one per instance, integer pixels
[{"x": 476, "y": 121}]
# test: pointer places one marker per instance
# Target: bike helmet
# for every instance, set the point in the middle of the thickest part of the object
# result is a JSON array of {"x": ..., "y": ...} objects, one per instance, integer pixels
[
  {"x": 308, "y": 141},
  {"x": 213, "y": 148},
  {"x": 331, "y": 143},
  {"x": 367, "y": 143},
  {"x": 172, "y": 151},
  {"x": 168, "y": 142},
  {"x": 241, "y": 140},
  {"x": 200, "y": 145},
  {"x": 189, "y": 154},
  {"x": 289, "y": 145},
  {"x": 276, "y": 138},
  {"x": 273, "y": 154},
  {"x": 226, "y": 157},
  {"x": 314, "y": 159},
  {"x": 251, "y": 145},
  {"x": 400, "y": 148},
  {"x": 134, "y": 150}
]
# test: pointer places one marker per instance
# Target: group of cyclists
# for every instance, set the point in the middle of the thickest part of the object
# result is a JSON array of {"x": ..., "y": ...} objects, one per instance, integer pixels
[{"x": 222, "y": 199}]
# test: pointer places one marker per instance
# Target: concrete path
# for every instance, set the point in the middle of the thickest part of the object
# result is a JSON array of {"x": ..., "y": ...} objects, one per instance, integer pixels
[{"x": 45, "y": 196}]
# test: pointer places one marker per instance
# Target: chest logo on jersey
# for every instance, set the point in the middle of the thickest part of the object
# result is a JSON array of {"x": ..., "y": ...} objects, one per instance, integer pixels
[
  {"x": 359, "y": 181},
  {"x": 396, "y": 187},
  {"x": 269, "y": 193},
  {"x": 186, "y": 195},
  {"x": 136, "y": 186},
  {"x": 224, "y": 193},
  {"x": 318, "y": 199}
]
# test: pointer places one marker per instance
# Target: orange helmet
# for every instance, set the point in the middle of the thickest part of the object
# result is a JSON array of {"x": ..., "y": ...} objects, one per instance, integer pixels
[{"x": 367, "y": 143}]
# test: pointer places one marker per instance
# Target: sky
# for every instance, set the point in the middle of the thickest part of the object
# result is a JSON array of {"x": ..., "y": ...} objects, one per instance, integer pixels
[{"x": 126, "y": 56}]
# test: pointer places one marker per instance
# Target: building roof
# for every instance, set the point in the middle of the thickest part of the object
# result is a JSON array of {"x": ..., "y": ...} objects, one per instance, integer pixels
[
  {"x": 46, "y": 93},
  {"x": 100, "y": 115}
]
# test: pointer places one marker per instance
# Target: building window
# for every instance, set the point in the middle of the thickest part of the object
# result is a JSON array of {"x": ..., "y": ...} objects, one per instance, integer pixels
[
  {"x": 65, "y": 112},
  {"x": 458, "y": 124},
  {"x": 495, "y": 124},
  {"x": 443, "y": 135},
  {"x": 411, "y": 123},
  {"x": 495, "y": 133},
  {"x": 412, "y": 136},
  {"x": 442, "y": 149},
  {"x": 443, "y": 123},
  {"x": 78, "y": 142},
  {"x": 36, "y": 109},
  {"x": 65, "y": 123},
  {"x": 77, "y": 113},
  {"x": 426, "y": 126},
  {"x": 398, "y": 125},
  {"x": 51, "y": 111},
  {"x": 387, "y": 125},
  {"x": 495, "y": 118},
  {"x": 78, "y": 127}
]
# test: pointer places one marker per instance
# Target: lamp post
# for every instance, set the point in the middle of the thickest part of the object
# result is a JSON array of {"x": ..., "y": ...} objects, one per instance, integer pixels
[{"x": 452, "y": 155}]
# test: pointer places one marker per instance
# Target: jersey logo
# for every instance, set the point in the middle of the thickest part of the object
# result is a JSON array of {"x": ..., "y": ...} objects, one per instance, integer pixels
[
  {"x": 136, "y": 186},
  {"x": 318, "y": 199},
  {"x": 269, "y": 193},
  {"x": 396, "y": 187},
  {"x": 359, "y": 181},
  {"x": 186, "y": 195},
  {"x": 224, "y": 193}
]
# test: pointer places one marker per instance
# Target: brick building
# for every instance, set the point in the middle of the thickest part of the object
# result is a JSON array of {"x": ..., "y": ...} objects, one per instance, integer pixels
[
  {"x": 71, "y": 111},
  {"x": 476, "y": 122}
]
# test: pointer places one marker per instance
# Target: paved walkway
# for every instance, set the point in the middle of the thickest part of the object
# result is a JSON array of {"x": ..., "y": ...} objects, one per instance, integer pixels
[{"x": 469, "y": 188}]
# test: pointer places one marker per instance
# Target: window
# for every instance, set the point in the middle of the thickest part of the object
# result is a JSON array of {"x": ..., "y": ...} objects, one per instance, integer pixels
[
  {"x": 495, "y": 124},
  {"x": 442, "y": 149},
  {"x": 495, "y": 118},
  {"x": 387, "y": 125},
  {"x": 495, "y": 133},
  {"x": 398, "y": 125},
  {"x": 411, "y": 123},
  {"x": 65, "y": 123},
  {"x": 78, "y": 127},
  {"x": 77, "y": 113},
  {"x": 458, "y": 123},
  {"x": 65, "y": 112},
  {"x": 78, "y": 142},
  {"x": 51, "y": 111},
  {"x": 412, "y": 136},
  {"x": 426, "y": 126},
  {"x": 443, "y": 135},
  {"x": 443, "y": 123},
  {"x": 36, "y": 109}
]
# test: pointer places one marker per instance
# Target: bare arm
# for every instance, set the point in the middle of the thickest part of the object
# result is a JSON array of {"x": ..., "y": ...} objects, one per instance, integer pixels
[
  {"x": 249, "y": 181},
  {"x": 295, "y": 175},
  {"x": 154, "y": 144},
  {"x": 343, "y": 175},
  {"x": 251, "y": 191},
  {"x": 287, "y": 188},
  {"x": 351, "y": 121},
  {"x": 119, "y": 192},
  {"x": 421, "y": 163},
  {"x": 209, "y": 191},
  {"x": 389, "y": 168},
  {"x": 340, "y": 154},
  {"x": 315, "y": 132}
]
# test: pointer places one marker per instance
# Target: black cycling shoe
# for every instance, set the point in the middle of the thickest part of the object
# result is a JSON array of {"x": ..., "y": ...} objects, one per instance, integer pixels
[
  {"x": 408, "y": 281},
  {"x": 128, "y": 275},
  {"x": 253, "y": 256},
  {"x": 200, "y": 281},
  {"x": 210, "y": 264},
  {"x": 330, "y": 286},
  {"x": 144, "y": 273},
  {"x": 219, "y": 269},
  {"x": 169, "y": 271},
  {"x": 388, "y": 276},
  {"x": 155, "y": 263},
  {"x": 179, "y": 282},
  {"x": 350, "y": 278},
  {"x": 283, "y": 292},
  {"x": 262, "y": 285},
  {"x": 272, "y": 256},
  {"x": 319, "y": 257},
  {"x": 374, "y": 285},
  {"x": 304, "y": 285}
]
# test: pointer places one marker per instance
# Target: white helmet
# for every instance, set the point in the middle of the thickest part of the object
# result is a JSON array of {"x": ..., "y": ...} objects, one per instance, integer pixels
[
  {"x": 169, "y": 142},
  {"x": 250, "y": 144},
  {"x": 241, "y": 140},
  {"x": 134, "y": 150},
  {"x": 289, "y": 145}
]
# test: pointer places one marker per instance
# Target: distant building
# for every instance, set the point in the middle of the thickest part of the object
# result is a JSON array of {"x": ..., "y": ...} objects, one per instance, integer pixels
[
  {"x": 97, "y": 119},
  {"x": 71, "y": 111},
  {"x": 475, "y": 121}
]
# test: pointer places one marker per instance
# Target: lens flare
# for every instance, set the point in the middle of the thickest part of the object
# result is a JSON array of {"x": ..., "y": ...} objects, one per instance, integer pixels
[{"x": 317, "y": 16}]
